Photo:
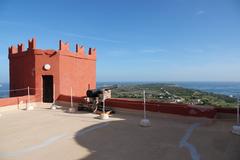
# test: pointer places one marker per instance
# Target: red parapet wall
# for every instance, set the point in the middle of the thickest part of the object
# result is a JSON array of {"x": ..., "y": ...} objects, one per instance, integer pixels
[
  {"x": 226, "y": 110},
  {"x": 180, "y": 109},
  {"x": 67, "y": 98},
  {"x": 16, "y": 100}
]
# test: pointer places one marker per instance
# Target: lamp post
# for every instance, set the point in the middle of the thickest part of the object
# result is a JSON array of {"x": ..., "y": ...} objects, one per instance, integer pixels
[
  {"x": 238, "y": 111},
  {"x": 144, "y": 122},
  {"x": 71, "y": 109},
  {"x": 29, "y": 106}
]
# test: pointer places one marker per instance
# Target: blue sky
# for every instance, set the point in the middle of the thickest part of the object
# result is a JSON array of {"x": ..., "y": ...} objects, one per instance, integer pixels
[{"x": 142, "y": 40}]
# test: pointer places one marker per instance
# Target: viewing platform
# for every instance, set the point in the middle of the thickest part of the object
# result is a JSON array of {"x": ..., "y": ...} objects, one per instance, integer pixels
[{"x": 57, "y": 134}]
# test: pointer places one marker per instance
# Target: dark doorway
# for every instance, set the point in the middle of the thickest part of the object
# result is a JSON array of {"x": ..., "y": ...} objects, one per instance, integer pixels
[{"x": 48, "y": 89}]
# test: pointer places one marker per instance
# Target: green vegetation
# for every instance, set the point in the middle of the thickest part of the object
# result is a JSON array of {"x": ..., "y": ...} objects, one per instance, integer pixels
[{"x": 173, "y": 94}]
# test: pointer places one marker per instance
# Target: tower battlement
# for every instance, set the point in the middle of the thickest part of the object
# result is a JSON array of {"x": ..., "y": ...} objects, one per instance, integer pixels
[
  {"x": 32, "y": 44},
  {"x": 64, "y": 49},
  {"x": 20, "y": 48},
  {"x": 63, "y": 46},
  {"x": 12, "y": 50}
]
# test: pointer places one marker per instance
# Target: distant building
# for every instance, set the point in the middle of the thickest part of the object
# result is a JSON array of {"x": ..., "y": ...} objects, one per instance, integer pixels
[{"x": 41, "y": 70}]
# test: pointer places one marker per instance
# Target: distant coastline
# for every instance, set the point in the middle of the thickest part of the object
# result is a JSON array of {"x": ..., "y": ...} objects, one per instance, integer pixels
[{"x": 225, "y": 88}]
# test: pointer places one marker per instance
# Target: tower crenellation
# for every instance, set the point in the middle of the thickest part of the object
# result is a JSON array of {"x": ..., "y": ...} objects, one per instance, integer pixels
[
  {"x": 20, "y": 48},
  {"x": 79, "y": 49},
  {"x": 63, "y": 46},
  {"x": 32, "y": 44},
  {"x": 64, "y": 49},
  {"x": 12, "y": 50},
  {"x": 92, "y": 51}
]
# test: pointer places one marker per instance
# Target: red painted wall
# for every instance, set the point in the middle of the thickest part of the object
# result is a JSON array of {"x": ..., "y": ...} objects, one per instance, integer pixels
[
  {"x": 180, "y": 109},
  {"x": 226, "y": 110},
  {"x": 47, "y": 57},
  {"x": 16, "y": 100},
  {"x": 69, "y": 69},
  {"x": 21, "y": 66},
  {"x": 77, "y": 73}
]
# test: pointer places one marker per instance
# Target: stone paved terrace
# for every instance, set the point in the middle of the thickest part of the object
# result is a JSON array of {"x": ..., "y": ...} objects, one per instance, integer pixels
[{"x": 54, "y": 134}]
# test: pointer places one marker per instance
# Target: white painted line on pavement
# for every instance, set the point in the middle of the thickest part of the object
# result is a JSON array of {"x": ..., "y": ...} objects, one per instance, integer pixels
[
  {"x": 183, "y": 143},
  {"x": 32, "y": 148},
  {"x": 48, "y": 142}
]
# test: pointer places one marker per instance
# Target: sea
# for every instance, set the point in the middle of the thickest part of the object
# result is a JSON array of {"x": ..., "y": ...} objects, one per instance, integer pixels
[
  {"x": 225, "y": 88},
  {"x": 4, "y": 90}
]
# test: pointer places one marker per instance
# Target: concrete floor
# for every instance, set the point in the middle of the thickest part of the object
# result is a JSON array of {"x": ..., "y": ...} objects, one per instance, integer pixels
[{"x": 55, "y": 134}]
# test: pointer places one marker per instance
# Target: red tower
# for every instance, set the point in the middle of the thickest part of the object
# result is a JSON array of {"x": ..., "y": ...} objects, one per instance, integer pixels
[{"x": 43, "y": 69}]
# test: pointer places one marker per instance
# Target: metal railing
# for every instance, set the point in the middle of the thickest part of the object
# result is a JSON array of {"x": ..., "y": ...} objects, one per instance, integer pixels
[{"x": 20, "y": 92}]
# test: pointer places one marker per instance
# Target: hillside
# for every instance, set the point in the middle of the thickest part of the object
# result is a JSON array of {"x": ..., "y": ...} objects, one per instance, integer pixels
[{"x": 173, "y": 94}]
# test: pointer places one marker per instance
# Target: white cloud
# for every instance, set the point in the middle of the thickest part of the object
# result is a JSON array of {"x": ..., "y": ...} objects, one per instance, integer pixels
[
  {"x": 194, "y": 50},
  {"x": 200, "y": 12},
  {"x": 4, "y": 22},
  {"x": 125, "y": 52},
  {"x": 90, "y": 37},
  {"x": 154, "y": 51}
]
